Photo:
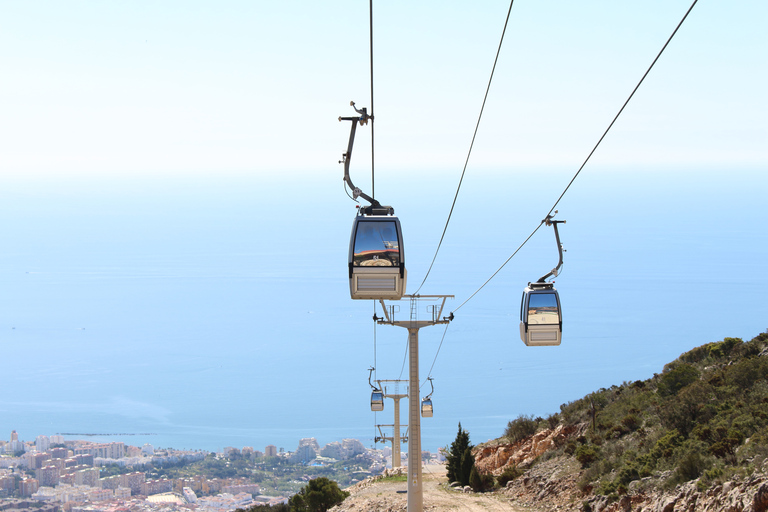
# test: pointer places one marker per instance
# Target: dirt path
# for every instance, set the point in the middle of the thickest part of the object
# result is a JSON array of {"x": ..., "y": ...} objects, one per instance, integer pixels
[{"x": 389, "y": 496}]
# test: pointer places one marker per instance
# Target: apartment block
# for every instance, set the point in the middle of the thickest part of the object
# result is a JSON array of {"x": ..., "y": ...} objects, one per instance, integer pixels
[
  {"x": 28, "y": 487},
  {"x": 88, "y": 476},
  {"x": 7, "y": 483},
  {"x": 122, "y": 492},
  {"x": 48, "y": 476},
  {"x": 110, "y": 482},
  {"x": 150, "y": 487},
  {"x": 101, "y": 494},
  {"x": 59, "y": 453},
  {"x": 42, "y": 443},
  {"x": 133, "y": 481}
]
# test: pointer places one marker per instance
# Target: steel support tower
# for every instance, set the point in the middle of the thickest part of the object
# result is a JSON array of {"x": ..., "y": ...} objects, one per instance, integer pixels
[
  {"x": 413, "y": 324},
  {"x": 396, "y": 396}
]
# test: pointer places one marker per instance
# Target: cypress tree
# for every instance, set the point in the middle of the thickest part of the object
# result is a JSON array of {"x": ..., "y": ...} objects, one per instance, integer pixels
[{"x": 460, "y": 459}]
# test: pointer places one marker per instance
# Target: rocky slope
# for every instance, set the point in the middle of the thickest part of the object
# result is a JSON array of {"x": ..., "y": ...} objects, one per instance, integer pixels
[{"x": 552, "y": 483}]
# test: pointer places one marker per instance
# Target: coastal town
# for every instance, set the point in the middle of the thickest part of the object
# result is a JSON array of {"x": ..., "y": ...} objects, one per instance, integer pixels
[{"x": 54, "y": 474}]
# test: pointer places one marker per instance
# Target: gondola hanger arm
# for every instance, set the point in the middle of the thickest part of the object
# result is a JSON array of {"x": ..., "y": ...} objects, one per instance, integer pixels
[
  {"x": 362, "y": 119},
  {"x": 550, "y": 222},
  {"x": 433, "y": 389}
]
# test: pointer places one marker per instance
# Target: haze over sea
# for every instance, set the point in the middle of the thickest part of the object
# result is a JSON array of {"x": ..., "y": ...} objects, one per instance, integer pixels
[{"x": 214, "y": 311}]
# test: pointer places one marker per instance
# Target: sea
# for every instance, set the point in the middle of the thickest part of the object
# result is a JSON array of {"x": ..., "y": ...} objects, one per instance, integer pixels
[{"x": 211, "y": 310}]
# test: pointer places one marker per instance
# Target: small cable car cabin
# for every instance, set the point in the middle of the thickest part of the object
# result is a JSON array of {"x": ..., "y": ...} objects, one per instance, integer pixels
[
  {"x": 426, "y": 408},
  {"x": 376, "y": 258},
  {"x": 377, "y": 400},
  {"x": 541, "y": 320}
]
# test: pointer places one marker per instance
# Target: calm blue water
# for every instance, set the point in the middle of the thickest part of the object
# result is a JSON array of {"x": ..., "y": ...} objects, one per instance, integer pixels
[{"x": 213, "y": 311}]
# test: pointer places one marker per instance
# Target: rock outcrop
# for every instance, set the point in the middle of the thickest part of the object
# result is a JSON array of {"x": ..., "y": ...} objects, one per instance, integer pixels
[{"x": 494, "y": 459}]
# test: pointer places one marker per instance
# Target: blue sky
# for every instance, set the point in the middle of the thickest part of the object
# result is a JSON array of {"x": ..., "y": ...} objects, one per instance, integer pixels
[{"x": 255, "y": 87}]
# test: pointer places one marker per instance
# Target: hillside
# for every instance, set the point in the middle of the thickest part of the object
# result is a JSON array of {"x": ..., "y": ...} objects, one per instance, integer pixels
[{"x": 694, "y": 437}]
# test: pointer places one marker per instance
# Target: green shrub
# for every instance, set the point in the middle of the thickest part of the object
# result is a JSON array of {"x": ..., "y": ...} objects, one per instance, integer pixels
[
  {"x": 676, "y": 379},
  {"x": 690, "y": 466},
  {"x": 510, "y": 473},
  {"x": 695, "y": 355},
  {"x": 722, "y": 348},
  {"x": 319, "y": 495},
  {"x": 474, "y": 480},
  {"x": 631, "y": 422},
  {"x": 586, "y": 455},
  {"x": 628, "y": 474},
  {"x": 520, "y": 428}
]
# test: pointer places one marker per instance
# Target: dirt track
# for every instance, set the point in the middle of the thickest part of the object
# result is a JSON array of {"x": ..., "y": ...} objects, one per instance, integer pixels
[{"x": 389, "y": 496}]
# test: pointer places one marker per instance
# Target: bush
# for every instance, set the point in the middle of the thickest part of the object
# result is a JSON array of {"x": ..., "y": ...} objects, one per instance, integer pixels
[
  {"x": 474, "y": 480},
  {"x": 723, "y": 348},
  {"x": 586, "y": 455},
  {"x": 676, "y": 379},
  {"x": 520, "y": 428},
  {"x": 627, "y": 474},
  {"x": 319, "y": 495},
  {"x": 509, "y": 474},
  {"x": 690, "y": 467},
  {"x": 631, "y": 422},
  {"x": 480, "y": 483}
]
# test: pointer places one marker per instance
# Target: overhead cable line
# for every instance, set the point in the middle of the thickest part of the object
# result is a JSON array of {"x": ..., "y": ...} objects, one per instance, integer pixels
[
  {"x": 370, "y": 16},
  {"x": 624, "y": 105},
  {"x": 429, "y": 373},
  {"x": 474, "y": 135},
  {"x": 590, "y": 153}
]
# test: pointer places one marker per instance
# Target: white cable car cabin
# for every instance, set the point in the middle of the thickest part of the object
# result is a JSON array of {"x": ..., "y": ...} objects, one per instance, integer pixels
[
  {"x": 377, "y": 400},
  {"x": 426, "y": 408},
  {"x": 376, "y": 258},
  {"x": 541, "y": 320}
]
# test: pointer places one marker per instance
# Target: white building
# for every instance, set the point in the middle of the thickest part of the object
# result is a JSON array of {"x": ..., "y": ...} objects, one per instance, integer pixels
[
  {"x": 42, "y": 443},
  {"x": 189, "y": 495}
]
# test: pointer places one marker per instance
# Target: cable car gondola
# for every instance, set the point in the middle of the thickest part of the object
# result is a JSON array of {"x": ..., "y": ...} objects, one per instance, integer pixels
[
  {"x": 541, "y": 317},
  {"x": 377, "y": 400},
  {"x": 376, "y": 258},
  {"x": 541, "y": 321},
  {"x": 377, "y": 395},
  {"x": 426, "y": 408},
  {"x": 426, "y": 402}
]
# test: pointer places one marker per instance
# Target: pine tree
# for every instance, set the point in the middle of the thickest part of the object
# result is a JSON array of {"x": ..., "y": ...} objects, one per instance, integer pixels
[{"x": 460, "y": 459}]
